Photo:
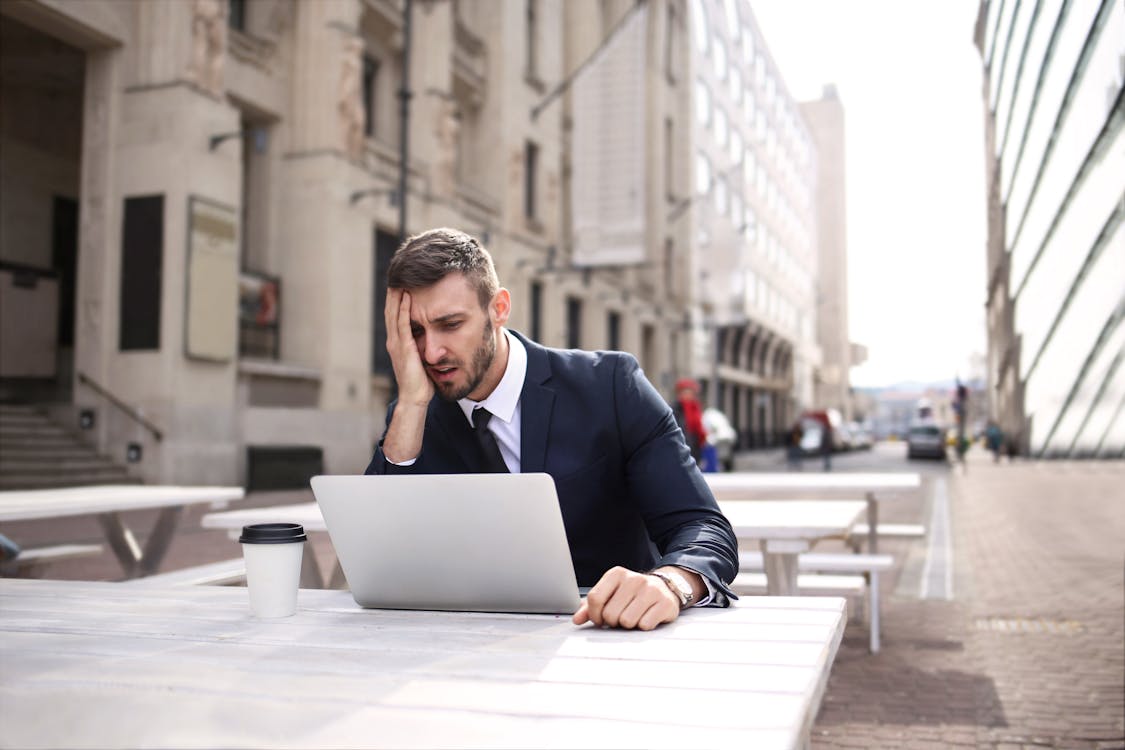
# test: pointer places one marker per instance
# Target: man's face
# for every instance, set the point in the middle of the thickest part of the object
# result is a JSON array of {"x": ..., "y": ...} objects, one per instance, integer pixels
[{"x": 457, "y": 339}]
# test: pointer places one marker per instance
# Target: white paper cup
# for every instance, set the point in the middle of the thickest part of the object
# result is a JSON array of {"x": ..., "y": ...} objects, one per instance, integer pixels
[{"x": 273, "y": 567}]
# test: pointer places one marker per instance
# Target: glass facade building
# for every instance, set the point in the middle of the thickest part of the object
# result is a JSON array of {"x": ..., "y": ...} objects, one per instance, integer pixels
[{"x": 1055, "y": 129}]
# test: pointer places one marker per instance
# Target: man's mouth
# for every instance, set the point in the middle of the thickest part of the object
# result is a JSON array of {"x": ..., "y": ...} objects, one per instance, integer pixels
[{"x": 442, "y": 373}]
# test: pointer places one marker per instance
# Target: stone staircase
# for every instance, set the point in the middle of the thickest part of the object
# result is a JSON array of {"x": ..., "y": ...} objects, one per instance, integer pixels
[{"x": 37, "y": 453}]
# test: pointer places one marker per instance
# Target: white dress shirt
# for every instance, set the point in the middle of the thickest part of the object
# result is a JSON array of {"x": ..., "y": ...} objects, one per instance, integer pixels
[{"x": 504, "y": 403}]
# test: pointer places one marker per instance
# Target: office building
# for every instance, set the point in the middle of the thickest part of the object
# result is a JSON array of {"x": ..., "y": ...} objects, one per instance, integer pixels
[{"x": 1055, "y": 138}]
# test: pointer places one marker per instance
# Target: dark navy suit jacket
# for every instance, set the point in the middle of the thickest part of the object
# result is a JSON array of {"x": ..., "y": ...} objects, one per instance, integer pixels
[{"x": 629, "y": 490}]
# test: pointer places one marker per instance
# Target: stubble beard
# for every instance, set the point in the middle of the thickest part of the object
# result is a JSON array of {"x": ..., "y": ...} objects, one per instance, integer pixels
[{"x": 482, "y": 360}]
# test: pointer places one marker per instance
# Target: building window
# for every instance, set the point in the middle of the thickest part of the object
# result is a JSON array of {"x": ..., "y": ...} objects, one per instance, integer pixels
[
  {"x": 671, "y": 59},
  {"x": 669, "y": 265},
  {"x": 573, "y": 323},
  {"x": 722, "y": 127},
  {"x": 613, "y": 330},
  {"x": 648, "y": 347},
  {"x": 236, "y": 17},
  {"x": 530, "y": 176},
  {"x": 702, "y": 103},
  {"x": 702, "y": 175},
  {"x": 370, "y": 76},
  {"x": 385, "y": 245},
  {"x": 536, "y": 323},
  {"x": 719, "y": 58},
  {"x": 699, "y": 24},
  {"x": 669, "y": 158},
  {"x": 142, "y": 263},
  {"x": 532, "y": 21}
]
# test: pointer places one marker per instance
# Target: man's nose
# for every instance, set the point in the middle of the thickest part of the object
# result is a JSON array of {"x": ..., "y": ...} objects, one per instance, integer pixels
[{"x": 433, "y": 348}]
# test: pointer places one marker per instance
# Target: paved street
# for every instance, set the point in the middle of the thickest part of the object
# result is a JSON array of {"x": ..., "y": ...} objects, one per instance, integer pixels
[{"x": 1010, "y": 636}]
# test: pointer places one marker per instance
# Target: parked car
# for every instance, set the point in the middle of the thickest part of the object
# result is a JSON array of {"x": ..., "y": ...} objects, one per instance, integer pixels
[
  {"x": 860, "y": 437},
  {"x": 721, "y": 434},
  {"x": 925, "y": 441}
]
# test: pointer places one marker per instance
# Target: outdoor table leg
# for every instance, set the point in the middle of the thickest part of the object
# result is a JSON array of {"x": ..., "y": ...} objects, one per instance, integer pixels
[
  {"x": 134, "y": 560},
  {"x": 872, "y": 523},
  {"x": 160, "y": 539},
  {"x": 337, "y": 580},
  {"x": 779, "y": 557},
  {"x": 122, "y": 542},
  {"x": 311, "y": 577}
]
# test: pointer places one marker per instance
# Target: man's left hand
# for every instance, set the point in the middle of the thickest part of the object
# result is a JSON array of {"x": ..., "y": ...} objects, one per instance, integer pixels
[{"x": 626, "y": 599}]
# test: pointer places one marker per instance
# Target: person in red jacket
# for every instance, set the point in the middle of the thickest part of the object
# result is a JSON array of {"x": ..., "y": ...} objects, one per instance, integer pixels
[{"x": 689, "y": 415}]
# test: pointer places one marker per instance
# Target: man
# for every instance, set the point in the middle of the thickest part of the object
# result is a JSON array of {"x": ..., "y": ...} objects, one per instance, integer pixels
[{"x": 631, "y": 496}]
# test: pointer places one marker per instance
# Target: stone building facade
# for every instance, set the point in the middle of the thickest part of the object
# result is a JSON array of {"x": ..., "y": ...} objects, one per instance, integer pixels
[
  {"x": 825, "y": 119},
  {"x": 201, "y": 196}
]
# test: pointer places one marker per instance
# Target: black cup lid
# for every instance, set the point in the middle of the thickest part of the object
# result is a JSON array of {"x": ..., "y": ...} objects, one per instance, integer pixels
[{"x": 272, "y": 533}]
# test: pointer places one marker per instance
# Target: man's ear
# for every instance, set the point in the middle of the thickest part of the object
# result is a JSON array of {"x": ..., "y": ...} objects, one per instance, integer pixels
[{"x": 500, "y": 307}]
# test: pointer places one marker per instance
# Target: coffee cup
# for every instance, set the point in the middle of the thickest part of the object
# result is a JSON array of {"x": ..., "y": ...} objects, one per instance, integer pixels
[{"x": 273, "y": 567}]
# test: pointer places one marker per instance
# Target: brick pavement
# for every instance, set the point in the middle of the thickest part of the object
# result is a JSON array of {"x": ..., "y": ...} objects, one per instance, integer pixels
[{"x": 1029, "y": 653}]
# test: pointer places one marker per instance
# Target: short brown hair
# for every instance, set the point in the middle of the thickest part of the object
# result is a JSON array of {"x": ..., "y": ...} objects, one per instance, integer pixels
[{"x": 427, "y": 258}]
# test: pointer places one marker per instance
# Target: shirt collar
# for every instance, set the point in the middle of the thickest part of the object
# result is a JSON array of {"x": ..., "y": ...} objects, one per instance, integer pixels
[{"x": 503, "y": 399}]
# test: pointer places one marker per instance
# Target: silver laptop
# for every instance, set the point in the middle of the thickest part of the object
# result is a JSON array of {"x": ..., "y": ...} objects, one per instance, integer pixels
[{"x": 464, "y": 542}]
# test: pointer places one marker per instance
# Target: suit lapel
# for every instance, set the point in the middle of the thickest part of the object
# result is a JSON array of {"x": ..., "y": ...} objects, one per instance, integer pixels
[{"x": 536, "y": 403}]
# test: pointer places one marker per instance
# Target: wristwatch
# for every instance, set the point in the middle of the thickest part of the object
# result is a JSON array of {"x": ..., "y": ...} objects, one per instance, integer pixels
[{"x": 678, "y": 584}]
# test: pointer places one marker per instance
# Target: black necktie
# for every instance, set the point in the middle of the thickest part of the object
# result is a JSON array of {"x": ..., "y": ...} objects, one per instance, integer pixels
[{"x": 491, "y": 460}]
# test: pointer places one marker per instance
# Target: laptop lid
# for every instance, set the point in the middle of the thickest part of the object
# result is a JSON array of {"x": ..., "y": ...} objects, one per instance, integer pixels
[{"x": 462, "y": 542}]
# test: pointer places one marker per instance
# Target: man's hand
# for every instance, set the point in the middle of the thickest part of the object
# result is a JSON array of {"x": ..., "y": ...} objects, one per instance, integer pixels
[
  {"x": 403, "y": 440},
  {"x": 626, "y": 599},
  {"x": 414, "y": 385}
]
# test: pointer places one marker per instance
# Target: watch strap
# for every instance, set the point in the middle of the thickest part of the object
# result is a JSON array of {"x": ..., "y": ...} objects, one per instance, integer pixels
[{"x": 683, "y": 593}]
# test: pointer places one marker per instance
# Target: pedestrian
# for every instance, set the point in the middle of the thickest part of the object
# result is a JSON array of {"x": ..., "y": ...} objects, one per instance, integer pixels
[
  {"x": 994, "y": 439},
  {"x": 644, "y": 529},
  {"x": 826, "y": 446},
  {"x": 689, "y": 416},
  {"x": 793, "y": 446}
]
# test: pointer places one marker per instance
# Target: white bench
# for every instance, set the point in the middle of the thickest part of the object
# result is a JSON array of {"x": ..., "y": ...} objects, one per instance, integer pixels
[
  {"x": 850, "y": 573},
  {"x": 32, "y": 558},
  {"x": 223, "y": 573},
  {"x": 858, "y": 534}
]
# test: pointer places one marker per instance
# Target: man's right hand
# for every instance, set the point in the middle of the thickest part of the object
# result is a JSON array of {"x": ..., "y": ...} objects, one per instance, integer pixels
[
  {"x": 414, "y": 385},
  {"x": 403, "y": 440}
]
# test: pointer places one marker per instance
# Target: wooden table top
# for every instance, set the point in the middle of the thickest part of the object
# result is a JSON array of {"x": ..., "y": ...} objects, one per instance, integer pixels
[
  {"x": 22, "y": 505},
  {"x": 106, "y": 664}
]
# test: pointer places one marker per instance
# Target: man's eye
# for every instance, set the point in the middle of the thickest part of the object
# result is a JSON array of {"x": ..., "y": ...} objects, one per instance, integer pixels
[
  {"x": 453, "y": 326},
  {"x": 416, "y": 332}
]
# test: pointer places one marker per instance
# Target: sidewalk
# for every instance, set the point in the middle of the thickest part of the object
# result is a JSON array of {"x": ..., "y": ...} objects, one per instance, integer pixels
[{"x": 1030, "y": 651}]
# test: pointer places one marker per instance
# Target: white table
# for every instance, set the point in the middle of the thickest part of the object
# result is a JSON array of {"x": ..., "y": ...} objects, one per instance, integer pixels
[
  {"x": 872, "y": 486},
  {"x": 97, "y": 664},
  {"x": 306, "y": 514},
  {"x": 786, "y": 528},
  {"x": 108, "y": 502}
]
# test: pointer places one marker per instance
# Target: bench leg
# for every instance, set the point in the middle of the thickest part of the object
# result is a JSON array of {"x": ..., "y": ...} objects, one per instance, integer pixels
[{"x": 873, "y": 609}]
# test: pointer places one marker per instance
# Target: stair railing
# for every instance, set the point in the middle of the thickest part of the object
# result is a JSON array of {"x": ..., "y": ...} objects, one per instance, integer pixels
[{"x": 129, "y": 411}]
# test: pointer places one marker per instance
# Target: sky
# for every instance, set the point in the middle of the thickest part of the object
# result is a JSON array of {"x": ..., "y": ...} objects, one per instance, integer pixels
[{"x": 909, "y": 79}]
